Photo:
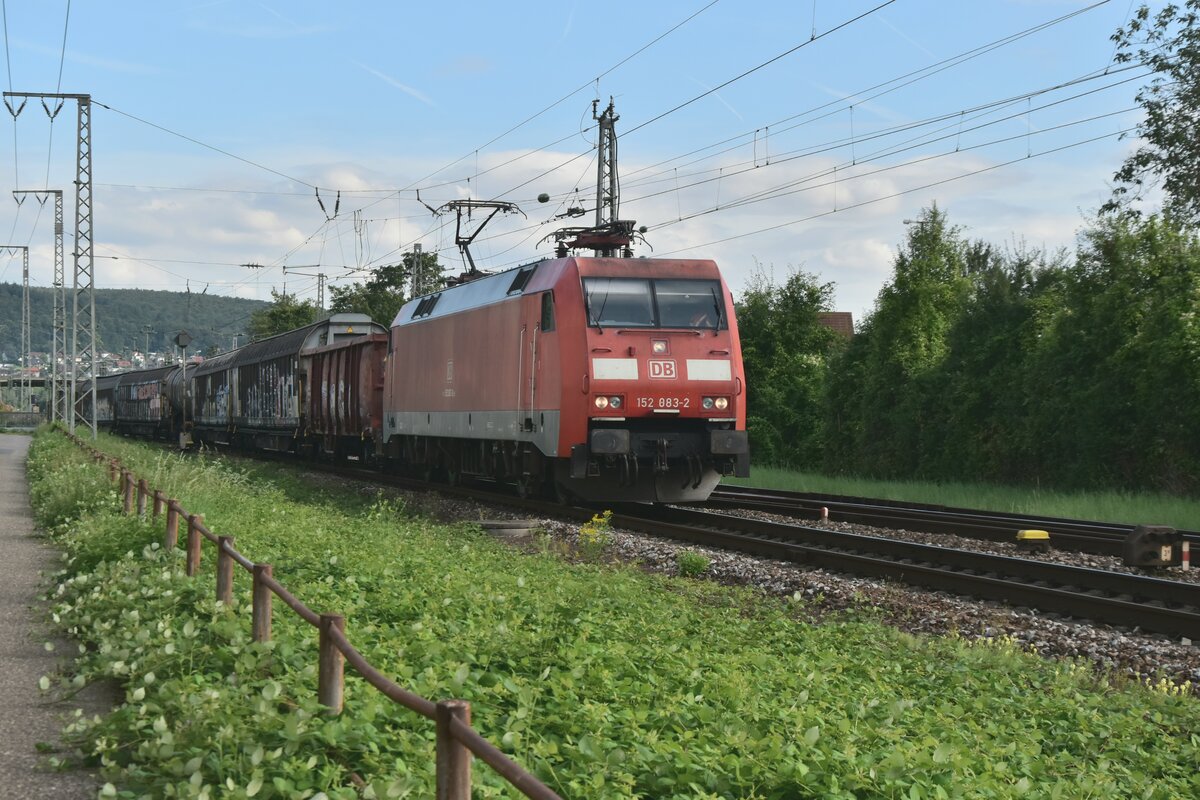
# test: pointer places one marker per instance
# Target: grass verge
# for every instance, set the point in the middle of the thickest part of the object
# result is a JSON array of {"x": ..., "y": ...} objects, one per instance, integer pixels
[
  {"x": 603, "y": 681},
  {"x": 1122, "y": 507}
]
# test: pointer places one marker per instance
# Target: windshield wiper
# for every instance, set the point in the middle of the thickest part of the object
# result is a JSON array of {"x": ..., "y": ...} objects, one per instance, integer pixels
[{"x": 719, "y": 306}]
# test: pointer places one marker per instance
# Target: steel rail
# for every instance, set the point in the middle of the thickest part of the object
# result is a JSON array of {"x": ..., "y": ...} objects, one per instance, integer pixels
[
  {"x": 1066, "y": 534},
  {"x": 1153, "y": 604}
]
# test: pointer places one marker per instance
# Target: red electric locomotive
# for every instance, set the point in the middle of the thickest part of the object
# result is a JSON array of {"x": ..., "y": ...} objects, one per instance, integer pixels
[{"x": 600, "y": 378}]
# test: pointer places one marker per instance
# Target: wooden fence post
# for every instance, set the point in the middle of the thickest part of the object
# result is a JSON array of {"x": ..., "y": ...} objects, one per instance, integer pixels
[
  {"x": 171, "y": 538},
  {"x": 260, "y": 615},
  {"x": 224, "y": 570},
  {"x": 127, "y": 490},
  {"x": 158, "y": 503},
  {"x": 453, "y": 757},
  {"x": 112, "y": 469},
  {"x": 193, "y": 543},
  {"x": 331, "y": 684},
  {"x": 143, "y": 490}
]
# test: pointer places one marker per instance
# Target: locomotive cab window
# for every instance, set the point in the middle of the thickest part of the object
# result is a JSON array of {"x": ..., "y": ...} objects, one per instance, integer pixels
[
  {"x": 662, "y": 303},
  {"x": 547, "y": 311},
  {"x": 689, "y": 304},
  {"x": 619, "y": 302}
]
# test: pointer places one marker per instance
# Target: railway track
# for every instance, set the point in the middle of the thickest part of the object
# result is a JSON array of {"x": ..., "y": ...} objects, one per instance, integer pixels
[
  {"x": 1114, "y": 598},
  {"x": 1065, "y": 534}
]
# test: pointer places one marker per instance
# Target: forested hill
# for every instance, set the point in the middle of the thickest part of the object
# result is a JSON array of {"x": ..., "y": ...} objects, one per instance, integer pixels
[{"x": 122, "y": 314}]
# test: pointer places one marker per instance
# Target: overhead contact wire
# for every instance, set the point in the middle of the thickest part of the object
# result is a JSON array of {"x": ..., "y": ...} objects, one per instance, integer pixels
[
  {"x": 214, "y": 148},
  {"x": 571, "y": 94},
  {"x": 766, "y": 63},
  {"x": 903, "y": 192}
]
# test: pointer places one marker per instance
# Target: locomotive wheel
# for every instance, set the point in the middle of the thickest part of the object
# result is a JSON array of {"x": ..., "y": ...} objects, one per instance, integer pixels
[
  {"x": 528, "y": 486},
  {"x": 563, "y": 495}
]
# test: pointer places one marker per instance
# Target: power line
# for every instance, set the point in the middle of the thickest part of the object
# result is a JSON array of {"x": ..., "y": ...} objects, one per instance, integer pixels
[
  {"x": 8, "y": 69},
  {"x": 901, "y": 193},
  {"x": 57, "y": 89},
  {"x": 214, "y": 148},
  {"x": 774, "y": 194},
  {"x": 710, "y": 91},
  {"x": 570, "y": 94},
  {"x": 766, "y": 63},
  {"x": 920, "y": 140},
  {"x": 863, "y": 96},
  {"x": 834, "y": 170}
]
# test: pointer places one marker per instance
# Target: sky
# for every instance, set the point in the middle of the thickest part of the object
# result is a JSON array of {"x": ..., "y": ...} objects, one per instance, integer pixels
[{"x": 314, "y": 137}]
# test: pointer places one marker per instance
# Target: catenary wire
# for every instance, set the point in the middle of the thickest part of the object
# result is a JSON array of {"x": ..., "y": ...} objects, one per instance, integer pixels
[
  {"x": 920, "y": 140},
  {"x": 903, "y": 192},
  {"x": 668, "y": 223},
  {"x": 766, "y": 63},
  {"x": 62, "y": 58},
  {"x": 214, "y": 148},
  {"x": 571, "y": 94},
  {"x": 901, "y": 81}
]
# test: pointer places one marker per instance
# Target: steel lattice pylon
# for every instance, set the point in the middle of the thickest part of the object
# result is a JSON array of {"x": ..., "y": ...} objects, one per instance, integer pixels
[
  {"x": 24, "y": 396},
  {"x": 58, "y": 358},
  {"x": 83, "y": 305},
  {"x": 608, "y": 199}
]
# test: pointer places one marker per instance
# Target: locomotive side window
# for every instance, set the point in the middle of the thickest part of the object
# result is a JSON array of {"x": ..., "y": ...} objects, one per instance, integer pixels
[
  {"x": 425, "y": 307},
  {"x": 620, "y": 302},
  {"x": 689, "y": 304},
  {"x": 520, "y": 279},
  {"x": 547, "y": 311}
]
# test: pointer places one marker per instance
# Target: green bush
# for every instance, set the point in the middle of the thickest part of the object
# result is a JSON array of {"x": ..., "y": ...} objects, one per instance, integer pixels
[{"x": 64, "y": 483}]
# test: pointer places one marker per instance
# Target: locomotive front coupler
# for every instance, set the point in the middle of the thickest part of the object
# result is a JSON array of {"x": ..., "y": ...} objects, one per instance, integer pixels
[{"x": 660, "y": 455}]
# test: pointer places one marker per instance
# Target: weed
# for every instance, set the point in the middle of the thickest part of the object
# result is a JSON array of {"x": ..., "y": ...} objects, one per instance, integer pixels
[
  {"x": 692, "y": 564},
  {"x": 595, "y": 535}
]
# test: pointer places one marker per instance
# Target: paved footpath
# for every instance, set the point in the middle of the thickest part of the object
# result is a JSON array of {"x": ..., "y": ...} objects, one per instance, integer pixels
[{"x": 26, "y": 718}]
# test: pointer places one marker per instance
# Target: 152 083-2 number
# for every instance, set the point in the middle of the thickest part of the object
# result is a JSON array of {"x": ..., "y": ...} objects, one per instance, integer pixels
[{"x": 663, "y": 402}]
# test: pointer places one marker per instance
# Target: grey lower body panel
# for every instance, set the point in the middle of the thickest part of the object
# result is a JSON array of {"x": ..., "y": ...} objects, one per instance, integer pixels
[{"x": 539, "y": 428}]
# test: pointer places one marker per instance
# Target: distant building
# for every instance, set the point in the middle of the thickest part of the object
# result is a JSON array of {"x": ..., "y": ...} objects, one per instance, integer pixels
[{"x": 839, "y": 321}]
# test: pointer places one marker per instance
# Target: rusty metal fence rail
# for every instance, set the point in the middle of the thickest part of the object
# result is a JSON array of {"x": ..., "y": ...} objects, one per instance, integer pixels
[{"x": 456, "y": 740}]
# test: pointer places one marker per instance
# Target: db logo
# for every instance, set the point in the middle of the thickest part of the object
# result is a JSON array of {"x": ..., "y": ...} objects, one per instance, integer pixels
[{"x": 662, "y": 368}]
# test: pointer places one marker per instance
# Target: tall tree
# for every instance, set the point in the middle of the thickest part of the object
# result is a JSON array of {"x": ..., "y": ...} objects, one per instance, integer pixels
[
  {"x": 382, "y": 294},
  {"x": 1169, "y": 45},
  {"x": 879, "y": 410},
  {"x": 285, "y": 313},
  {"x": 786, "y": 351}
]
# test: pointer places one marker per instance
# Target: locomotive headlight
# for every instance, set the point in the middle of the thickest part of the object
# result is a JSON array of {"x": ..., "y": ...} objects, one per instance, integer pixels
[
  {"x": 721, "y": 403},
  {"x": 707, "y": 403},
  {"x": 601, "y": 402},
  {"x": 658, "y": 346},
  {"x": 614, "y": 402}
]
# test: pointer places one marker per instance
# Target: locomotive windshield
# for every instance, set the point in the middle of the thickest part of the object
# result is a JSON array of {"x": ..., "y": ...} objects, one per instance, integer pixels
[{"x": 662, "y": 303}]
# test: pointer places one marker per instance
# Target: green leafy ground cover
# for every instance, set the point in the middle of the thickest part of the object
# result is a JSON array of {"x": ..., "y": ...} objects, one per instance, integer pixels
[
  {"x": 604, "y": 681},
  {"x": 1125, "y": 507}
]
